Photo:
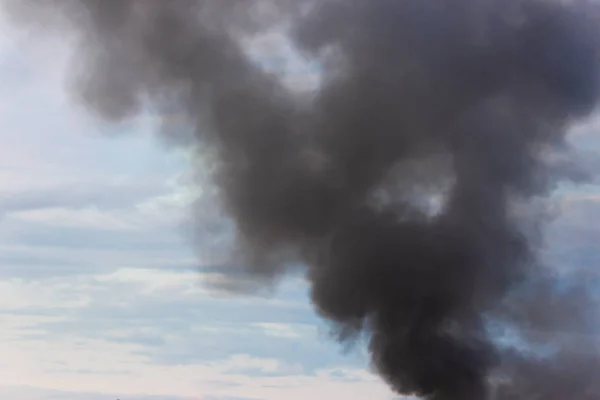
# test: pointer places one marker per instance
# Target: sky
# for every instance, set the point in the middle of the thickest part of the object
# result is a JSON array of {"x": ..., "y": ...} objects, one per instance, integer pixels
[{"x": 100, "y": 294}]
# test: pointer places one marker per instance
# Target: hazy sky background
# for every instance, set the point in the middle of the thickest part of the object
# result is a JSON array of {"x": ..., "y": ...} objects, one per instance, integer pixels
[{"x": 100, "y": 294}]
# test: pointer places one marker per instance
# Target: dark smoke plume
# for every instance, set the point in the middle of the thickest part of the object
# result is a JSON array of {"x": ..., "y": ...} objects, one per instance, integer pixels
[{"x": 467, "y": 99}]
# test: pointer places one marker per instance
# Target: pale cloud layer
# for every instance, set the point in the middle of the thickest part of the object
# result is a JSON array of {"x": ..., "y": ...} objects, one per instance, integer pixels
[{"x": 101, "y": 294}]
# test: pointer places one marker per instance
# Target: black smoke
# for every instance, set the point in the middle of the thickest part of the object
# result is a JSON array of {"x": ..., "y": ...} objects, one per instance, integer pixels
[{"x": 467, "y": 99}]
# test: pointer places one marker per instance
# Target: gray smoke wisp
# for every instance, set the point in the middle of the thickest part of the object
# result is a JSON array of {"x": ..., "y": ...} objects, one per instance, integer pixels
[{"x": 468, "y": 98}]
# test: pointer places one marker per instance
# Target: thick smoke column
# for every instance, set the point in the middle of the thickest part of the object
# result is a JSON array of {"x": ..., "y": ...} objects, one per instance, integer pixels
[{"x": 467, "y": 98}]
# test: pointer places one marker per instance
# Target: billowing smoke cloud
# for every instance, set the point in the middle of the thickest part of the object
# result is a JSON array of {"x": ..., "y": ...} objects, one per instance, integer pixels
[{"x": 465, "y": 99}]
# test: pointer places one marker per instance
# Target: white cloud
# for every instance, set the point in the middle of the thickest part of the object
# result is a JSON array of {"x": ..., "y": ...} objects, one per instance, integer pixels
[
  {"x": 31, "y": 393},
  {"x": 89, "y": 217},
  {"x": 20, "y": 294},
  {"x": 100, "y": 334},
  {"x": 289, "y": 331},
  {"x": 92, "y": 365},
  {"x": 242, "y": 363},
  {"x": 157, "y": 281}
]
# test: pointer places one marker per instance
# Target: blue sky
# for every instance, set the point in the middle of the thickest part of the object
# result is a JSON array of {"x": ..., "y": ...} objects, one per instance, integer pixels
[{"x": 101, "y": 298}]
